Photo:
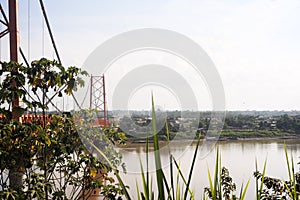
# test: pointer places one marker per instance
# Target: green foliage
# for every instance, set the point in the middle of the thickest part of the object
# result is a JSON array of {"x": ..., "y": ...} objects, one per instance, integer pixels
[
  {"x": 48, "y": 153},
  {"x": 223, "y": 186},
  {"x": 166, "y": 189},
  {"x": 274, "y": 188},
  {"x": 159, "y": 172},
  {"x": 236, "y": 125},
  {"x": 124, "y": 188},
  {"x": 289, "y": 124}
]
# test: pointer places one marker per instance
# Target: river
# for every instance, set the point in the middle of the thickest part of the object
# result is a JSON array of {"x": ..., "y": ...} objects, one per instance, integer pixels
[{"x": 238, "y": 156}]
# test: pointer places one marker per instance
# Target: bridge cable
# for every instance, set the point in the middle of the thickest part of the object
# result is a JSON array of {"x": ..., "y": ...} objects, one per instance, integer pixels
[
  {"x": 87, "y": 90},
  {"x": 28, "y": 40},
  {"x": 43, "y": 38},
  {"x": 49, "y": 30},
  {"x": 0, "y": 44},
  {"x": 53, "y": 42},
  {"x": 28, "y": 29}
]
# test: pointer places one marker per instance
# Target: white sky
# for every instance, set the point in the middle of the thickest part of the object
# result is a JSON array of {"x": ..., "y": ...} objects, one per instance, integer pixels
[{"x": 255, "y": 45}]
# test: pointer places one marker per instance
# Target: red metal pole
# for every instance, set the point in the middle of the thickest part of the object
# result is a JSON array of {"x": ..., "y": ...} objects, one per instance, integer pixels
[
  {"x": 14, "y": 40},
  {"x": 91, "y": 93},
  {"x": 16, "y": 173},
  {"x": 104, "y": 98}
]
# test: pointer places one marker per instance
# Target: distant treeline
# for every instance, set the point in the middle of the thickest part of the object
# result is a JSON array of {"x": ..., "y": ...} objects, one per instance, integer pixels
[
  {"x": 285, "y": 123},
  {"x": 251, "y": 121}
]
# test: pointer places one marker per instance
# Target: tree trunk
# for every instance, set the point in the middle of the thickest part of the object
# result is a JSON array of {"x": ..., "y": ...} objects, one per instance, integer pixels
[{"x": 16, "y": 177}]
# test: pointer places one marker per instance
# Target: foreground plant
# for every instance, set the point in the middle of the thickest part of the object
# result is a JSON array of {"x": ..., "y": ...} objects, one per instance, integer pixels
[
  {"x": 223, "y": 187},
  {"x": 274, "y": 188},
  {"x": 166, "y": 189},
  {"x": 44, "y": 158}
]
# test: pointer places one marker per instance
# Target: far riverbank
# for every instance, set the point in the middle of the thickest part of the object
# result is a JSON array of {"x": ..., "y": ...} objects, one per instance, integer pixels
[{"x": 222, "y": 138}]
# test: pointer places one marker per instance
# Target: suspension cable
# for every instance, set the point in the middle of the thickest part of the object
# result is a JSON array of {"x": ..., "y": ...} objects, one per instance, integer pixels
[
  {"x": 5, "y": 22},
  {"x": 0, "y": 45},
  {"x": 49, "y": 30},
  {"x": 28, "y": 42},
  {"x": 87, "y": 90},
  {"x": 28, "y": 29},
  {"x": 43, "y": 38},
  {"x": 2, "y": 33},
  {"x": 52, "y": 40},
  {"x": 24, "y": 58}
]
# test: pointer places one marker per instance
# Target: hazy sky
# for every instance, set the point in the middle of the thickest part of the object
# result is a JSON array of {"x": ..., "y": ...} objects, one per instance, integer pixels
[{"x": 255, "y": 45}]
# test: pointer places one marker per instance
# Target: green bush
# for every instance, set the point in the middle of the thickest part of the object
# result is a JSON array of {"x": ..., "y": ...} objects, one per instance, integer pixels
[{"x": 45, "y": 158}]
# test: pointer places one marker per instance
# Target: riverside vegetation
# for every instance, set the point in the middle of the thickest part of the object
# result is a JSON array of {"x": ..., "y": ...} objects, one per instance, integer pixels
[
  {"x": 221, "y": 185},
  {"x": 237, "y": 124},
  {"x": 45, "y": 158},
  {"x": 53, "y": 163}
]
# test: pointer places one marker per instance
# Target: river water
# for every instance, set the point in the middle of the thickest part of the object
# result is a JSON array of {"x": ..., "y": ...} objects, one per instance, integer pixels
[{"x": 238, "y": 156}]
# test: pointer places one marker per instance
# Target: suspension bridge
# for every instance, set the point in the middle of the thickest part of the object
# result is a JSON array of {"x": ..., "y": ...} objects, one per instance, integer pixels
[{"x": 10, "y": 28}]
